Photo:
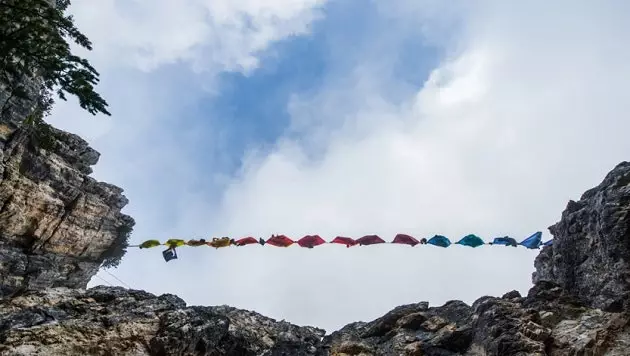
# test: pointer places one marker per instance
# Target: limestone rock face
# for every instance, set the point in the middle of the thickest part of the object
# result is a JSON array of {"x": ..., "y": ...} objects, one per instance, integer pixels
[
  {"x": 57, "y": 224},
  {"x": 590, "y": 256},
  {"x": 116, "y": 321}
]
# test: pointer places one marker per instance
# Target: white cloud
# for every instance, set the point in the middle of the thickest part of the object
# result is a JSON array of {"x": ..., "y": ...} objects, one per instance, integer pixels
[
  {"x": 526, "y": 111},
  {"x": 213, "y": 35},
  {"x": 527, "y": 114}
]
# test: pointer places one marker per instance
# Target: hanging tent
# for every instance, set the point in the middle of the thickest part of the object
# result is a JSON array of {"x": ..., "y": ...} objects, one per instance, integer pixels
[
  {"x": 172, "y": 243},
  {"x": 246, "y": 241},
  {"x": 310, "y": 241},
  {"x": 533, "y": 242},
  {"x": 218, "y": 243},
  {"x": 405, "y": 240},
  {"x": 348, "y": 241},
  {"x": 440, "y": 241},
  {"x": 505, "y": 240},
  {"x": 150, "y": 243},
  {"x": 370, "y": 240},
  {"x": 280, "y": 241},
  {"x": 471, "y": 241},
  {"x": 548, "y": 243},
  {"x": 195, "y": 243}
]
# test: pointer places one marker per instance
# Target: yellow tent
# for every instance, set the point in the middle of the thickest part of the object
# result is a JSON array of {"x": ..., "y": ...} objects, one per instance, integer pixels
[{"x": 222, "y": 242}]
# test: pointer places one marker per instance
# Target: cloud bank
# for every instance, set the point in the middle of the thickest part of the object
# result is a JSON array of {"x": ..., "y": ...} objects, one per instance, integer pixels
[{"x": 525, "y": 110}]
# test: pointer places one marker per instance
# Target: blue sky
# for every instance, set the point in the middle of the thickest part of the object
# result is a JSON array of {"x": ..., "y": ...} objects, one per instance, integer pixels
[{"x": 349, "y": 118}]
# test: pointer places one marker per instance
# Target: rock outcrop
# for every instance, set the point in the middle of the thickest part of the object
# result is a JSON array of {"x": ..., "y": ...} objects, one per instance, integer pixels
[
  {"x": 591, "y": 253},
  {"x": 115, "y": 321},
  {"x": 57, "y": 224}
]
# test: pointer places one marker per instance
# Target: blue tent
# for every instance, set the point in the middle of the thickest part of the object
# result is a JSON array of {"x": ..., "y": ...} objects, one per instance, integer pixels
[
  {"x": 169, "y": 254},
  {"x": 533, "y": 241},
  {"x": 439, "y": 240},
  {"x": 470, "y": 240},
  {"x": 505, "y": 240},
  {"x": 548, "y": 243}
]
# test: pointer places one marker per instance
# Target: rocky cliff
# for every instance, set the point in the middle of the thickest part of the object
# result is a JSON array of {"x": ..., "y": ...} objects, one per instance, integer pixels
[{"x": 57, "y": 226}]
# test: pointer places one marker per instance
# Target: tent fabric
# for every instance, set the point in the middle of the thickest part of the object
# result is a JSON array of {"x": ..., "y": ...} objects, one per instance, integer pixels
[
  {"x": 169, "y": 254},
  {"x": 150, "y": 243},
  {"x": 370, "y": 240},
  {"x": 218, "y": 243},
  {"x": 172, "y": 243},
  {"x": 348, "y": 241},
  {"x": 310, "y": 241},
  {"x": 439, "y": 240},
  {"x": 534, "y": 241},
  {"x": 195, "y": 243},
  {"x": 280, "y": 241},
  {"x": 405, "y": 239},
  {"x": 471, "y": 241},
  {"x": 505, "y": 240},
  {"x": 246, "y": 241}
]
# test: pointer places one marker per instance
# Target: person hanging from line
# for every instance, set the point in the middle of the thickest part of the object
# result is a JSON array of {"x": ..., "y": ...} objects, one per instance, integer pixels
[
  {"x": 423, "y": 241},
  {"x": 171, "y": 253}
]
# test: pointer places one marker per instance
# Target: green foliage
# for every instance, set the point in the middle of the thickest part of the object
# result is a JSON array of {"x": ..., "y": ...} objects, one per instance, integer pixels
[
  {"x": 34, "y": 44},
  {"x": 114, "y": 254},
  {"x": 41, "y": 132}
]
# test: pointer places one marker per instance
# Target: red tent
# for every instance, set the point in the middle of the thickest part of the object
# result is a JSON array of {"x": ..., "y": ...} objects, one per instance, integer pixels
[
  {"x": 310, "y": 241},
  {"x": 405, "y": 239},
  {"x": 280, "y": 241},
  {"x": 348, "y": 241},
  {"x": 370, "y": 240},
  {"x": 245, "y": 241}
]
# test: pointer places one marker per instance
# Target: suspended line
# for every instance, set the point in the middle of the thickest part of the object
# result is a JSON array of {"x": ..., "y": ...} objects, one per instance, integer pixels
[
  {"x": 102, "y": 279},
  {"x": 118, "y": 279},
  {"x": 310, "y": 241}
]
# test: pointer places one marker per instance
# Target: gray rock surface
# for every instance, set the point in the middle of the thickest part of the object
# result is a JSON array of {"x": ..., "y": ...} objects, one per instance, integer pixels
[
  {"x": 590, "y": 256},
  {"x": 57, "y": 224},
  {"x": 116, "y": 321}
]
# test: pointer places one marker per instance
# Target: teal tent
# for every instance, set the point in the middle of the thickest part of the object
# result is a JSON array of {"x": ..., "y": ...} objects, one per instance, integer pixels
[
  {"x": 470, "y": 240},
  {"x": 533, "y": 241},
  {"x": 439, "y": 240},
  {"x": 548, "y": 243}
]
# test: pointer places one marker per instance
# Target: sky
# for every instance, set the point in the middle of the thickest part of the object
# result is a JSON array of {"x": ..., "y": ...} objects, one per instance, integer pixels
[{"x": 237, "y": 118}]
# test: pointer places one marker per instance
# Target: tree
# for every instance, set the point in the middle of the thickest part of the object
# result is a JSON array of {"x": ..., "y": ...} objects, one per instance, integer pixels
[{"x": 34, "y": 48}]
